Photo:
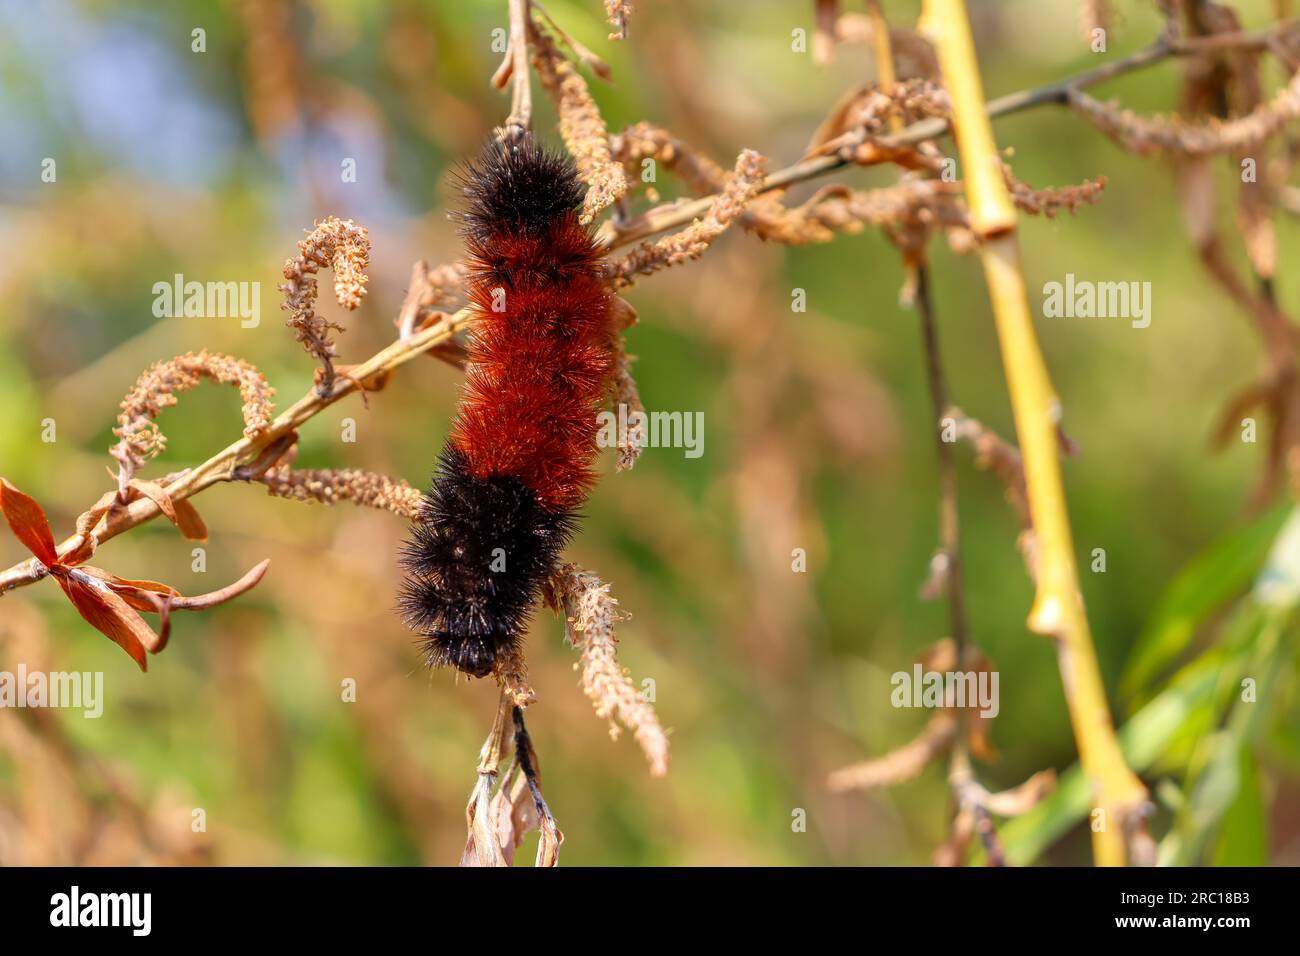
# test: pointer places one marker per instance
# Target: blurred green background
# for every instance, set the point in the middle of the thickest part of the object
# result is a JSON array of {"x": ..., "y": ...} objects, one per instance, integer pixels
[{"x": 817, "y": 437}]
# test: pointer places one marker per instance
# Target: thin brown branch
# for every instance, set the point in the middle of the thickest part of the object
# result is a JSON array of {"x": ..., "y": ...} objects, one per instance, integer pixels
[
  {"x": 949, "y": 525},
  {"x": 674, "y": 215},
  {"x": 521, "y": 100},
  {"x": 901, "y": 765},
  {"x": 690, "y": 243},
  {"x": 221, "y": 466},
  {"x": 994, "y": 453},
  {"x": 1149, "y": 135}
]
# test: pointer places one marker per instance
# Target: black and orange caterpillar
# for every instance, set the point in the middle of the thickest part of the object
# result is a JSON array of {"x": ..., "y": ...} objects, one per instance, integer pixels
[{"x": 518, "y": 462}]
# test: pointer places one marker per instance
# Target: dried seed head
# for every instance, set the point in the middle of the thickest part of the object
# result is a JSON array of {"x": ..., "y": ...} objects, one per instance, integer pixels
[
  {"x": 140, "y": 438},
  {"x": 341, "y": 245}
]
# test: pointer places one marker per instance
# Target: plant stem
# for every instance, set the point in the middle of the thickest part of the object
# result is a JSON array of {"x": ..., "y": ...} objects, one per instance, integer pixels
[
  {"x": 673, "y": 215},
  {"x": 221, "y": 466},
  {"x": 949, "y": 524},
  {"x": 521, "y": 96},
  {"x": 1058, "y": 610}
]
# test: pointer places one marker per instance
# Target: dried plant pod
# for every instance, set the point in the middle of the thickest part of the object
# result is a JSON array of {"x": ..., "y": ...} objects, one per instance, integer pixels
[
  {"x": 585, "y": 134},
  {"x": 691, "y": 242},
  {"x": 496, "y": 824},
  {"x": 1150, "y": 135},
  {"x": 617, "y": 12},
  {"x": 338, "y": 244},
  {"x": 591, "y": 615},
  {"x": 872, "y": 110},
  {"x": 630, "y": 415},
  {"x": 140, "y": 439},
  {"x": 1050, "y": 200},
  {"x": 332, "y": 485}
]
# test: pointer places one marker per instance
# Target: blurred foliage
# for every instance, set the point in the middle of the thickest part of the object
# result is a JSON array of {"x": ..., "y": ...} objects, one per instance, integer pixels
[{"x": 817, "y": 437}]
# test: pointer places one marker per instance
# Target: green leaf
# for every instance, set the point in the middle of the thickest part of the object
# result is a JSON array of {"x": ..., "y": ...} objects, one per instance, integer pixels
[
  {"x": 1278, "y": 583},
  {"x": 1243, "y": 837},
  {"x": 1233, "y": 644},
  {"x": 1142, "y": 740},
  {"x": 1214, "y": 780},
  {"x": 1194, "y": 700},
  {"x": 1220, "y": 573}
]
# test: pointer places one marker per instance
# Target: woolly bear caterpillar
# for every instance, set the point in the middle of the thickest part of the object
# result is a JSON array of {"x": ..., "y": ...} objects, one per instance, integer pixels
[{"x": 518, "y": 462}]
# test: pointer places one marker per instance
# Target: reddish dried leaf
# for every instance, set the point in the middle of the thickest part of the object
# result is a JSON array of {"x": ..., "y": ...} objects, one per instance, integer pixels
[
  {"x": 158, "y": 495},
  {"x": 161, "y": 599},
  {"x": 138, "y": 594},
  {"x": 149, "y": 596},
  {"x": 156, "y": 598},
  {"x": 83, "y": 551},
  {"x": 180, "y": 513},
  {"x": 109, "y": 614},
  {"x": 85, "y": 548},
  {"x": 189, "y": 522},
  {"x": 29, "y": 524},
  {"x": 100, "y": 508}
]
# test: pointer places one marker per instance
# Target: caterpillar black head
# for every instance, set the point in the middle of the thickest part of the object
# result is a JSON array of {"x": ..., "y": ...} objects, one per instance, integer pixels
[{"x": 516, "y": 184}]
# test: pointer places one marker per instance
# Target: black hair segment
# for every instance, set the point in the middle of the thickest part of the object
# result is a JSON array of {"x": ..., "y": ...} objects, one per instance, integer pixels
[
  {"x": 475, "y": 564},
  {"x": 482, "y": 547},
  {"x": 517, "y": 184}
]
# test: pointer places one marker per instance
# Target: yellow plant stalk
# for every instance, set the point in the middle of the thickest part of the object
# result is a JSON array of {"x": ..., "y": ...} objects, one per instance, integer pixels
[
  {"x": 882, "y": 52},
  {"x": 1058, "y": 610}
]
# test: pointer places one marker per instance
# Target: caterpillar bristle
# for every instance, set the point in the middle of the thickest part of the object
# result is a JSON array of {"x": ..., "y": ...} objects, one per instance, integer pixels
[
  {"x": 516, "y": 183},
  {"x": 505, "y": 494}
]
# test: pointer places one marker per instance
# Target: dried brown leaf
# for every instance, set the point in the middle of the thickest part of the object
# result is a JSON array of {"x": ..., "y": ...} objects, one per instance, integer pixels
[
  {"x": 29, "y": 524},
  {"x": 109, "y": 613},
  {"x": 189, "y": 521}
]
